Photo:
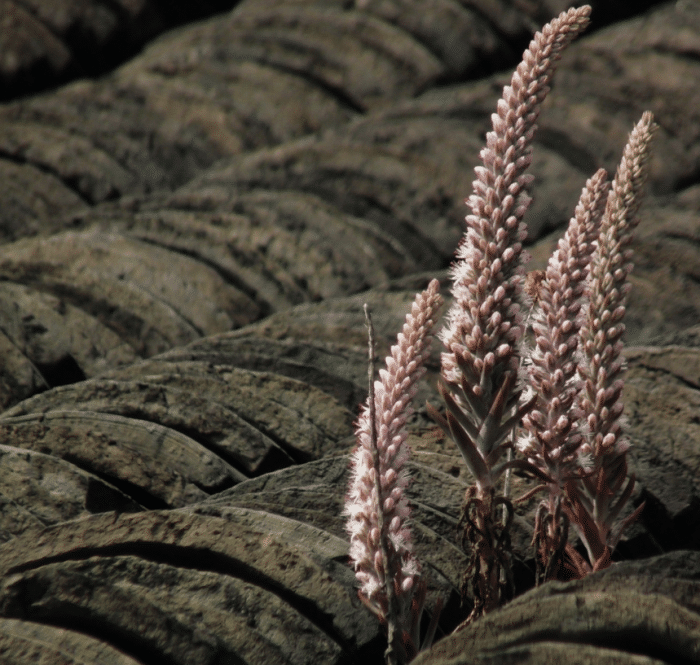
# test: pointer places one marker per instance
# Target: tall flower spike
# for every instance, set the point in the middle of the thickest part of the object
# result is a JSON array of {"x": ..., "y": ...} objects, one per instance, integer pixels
[
  {"x": 598, "y": 499},
  {"x": 552, "y": 437},
  {"x": 484, "y": 322},
  {"x": 376, "y": 505},
  {"x": 551, "y": 442}
]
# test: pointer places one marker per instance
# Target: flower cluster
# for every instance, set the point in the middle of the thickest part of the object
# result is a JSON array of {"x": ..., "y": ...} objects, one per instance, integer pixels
[
  {"x": 563, "y": 392},
  {"x": 595, "y": 499},
  {"x": 552, "y": 437},
  {"x": 376, "y": 505},
  {"x": 484, "y": 322},
  {"x": 551, "y": 441}
]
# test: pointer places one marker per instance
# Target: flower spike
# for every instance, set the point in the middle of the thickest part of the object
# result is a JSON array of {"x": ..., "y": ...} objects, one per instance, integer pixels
[
  {"x": 481, "y": 364},
  {"x": 601, "y": 366},
  {"x": 376, "y": 506},
  {"x": 484, "y": 323}
]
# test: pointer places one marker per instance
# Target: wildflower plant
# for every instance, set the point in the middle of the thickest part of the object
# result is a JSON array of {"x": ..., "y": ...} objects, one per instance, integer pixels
[
  {"x": 381, "y": 544},
  {"x": 481, "y": 364},
  {"x": 556, "y": 401},
  {"x": 552, "y": 439},
  {"x": 596, "y": 499}
]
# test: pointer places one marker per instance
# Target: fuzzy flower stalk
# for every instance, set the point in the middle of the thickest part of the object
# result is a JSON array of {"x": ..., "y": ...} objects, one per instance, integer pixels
[
  {"x": 480, "y": 367},
  {"x": 376, "y": 505},
  {"x": 552, "y": 435},
  {"x": 598, "y": 498}
]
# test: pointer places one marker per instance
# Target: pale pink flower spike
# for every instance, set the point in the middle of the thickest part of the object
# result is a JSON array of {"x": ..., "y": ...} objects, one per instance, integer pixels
[{"x": 378, "y": 512}]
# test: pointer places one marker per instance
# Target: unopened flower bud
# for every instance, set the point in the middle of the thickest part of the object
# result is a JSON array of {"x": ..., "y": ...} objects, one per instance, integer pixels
[
  {"x": 389, "y": 477},
  {"x": 608, "y": 440},
  {"x": 378, "y": 563}
]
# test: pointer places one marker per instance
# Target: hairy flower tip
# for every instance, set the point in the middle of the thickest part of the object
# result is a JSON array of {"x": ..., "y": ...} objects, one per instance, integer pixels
[{"x": 376, "y": 506}]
